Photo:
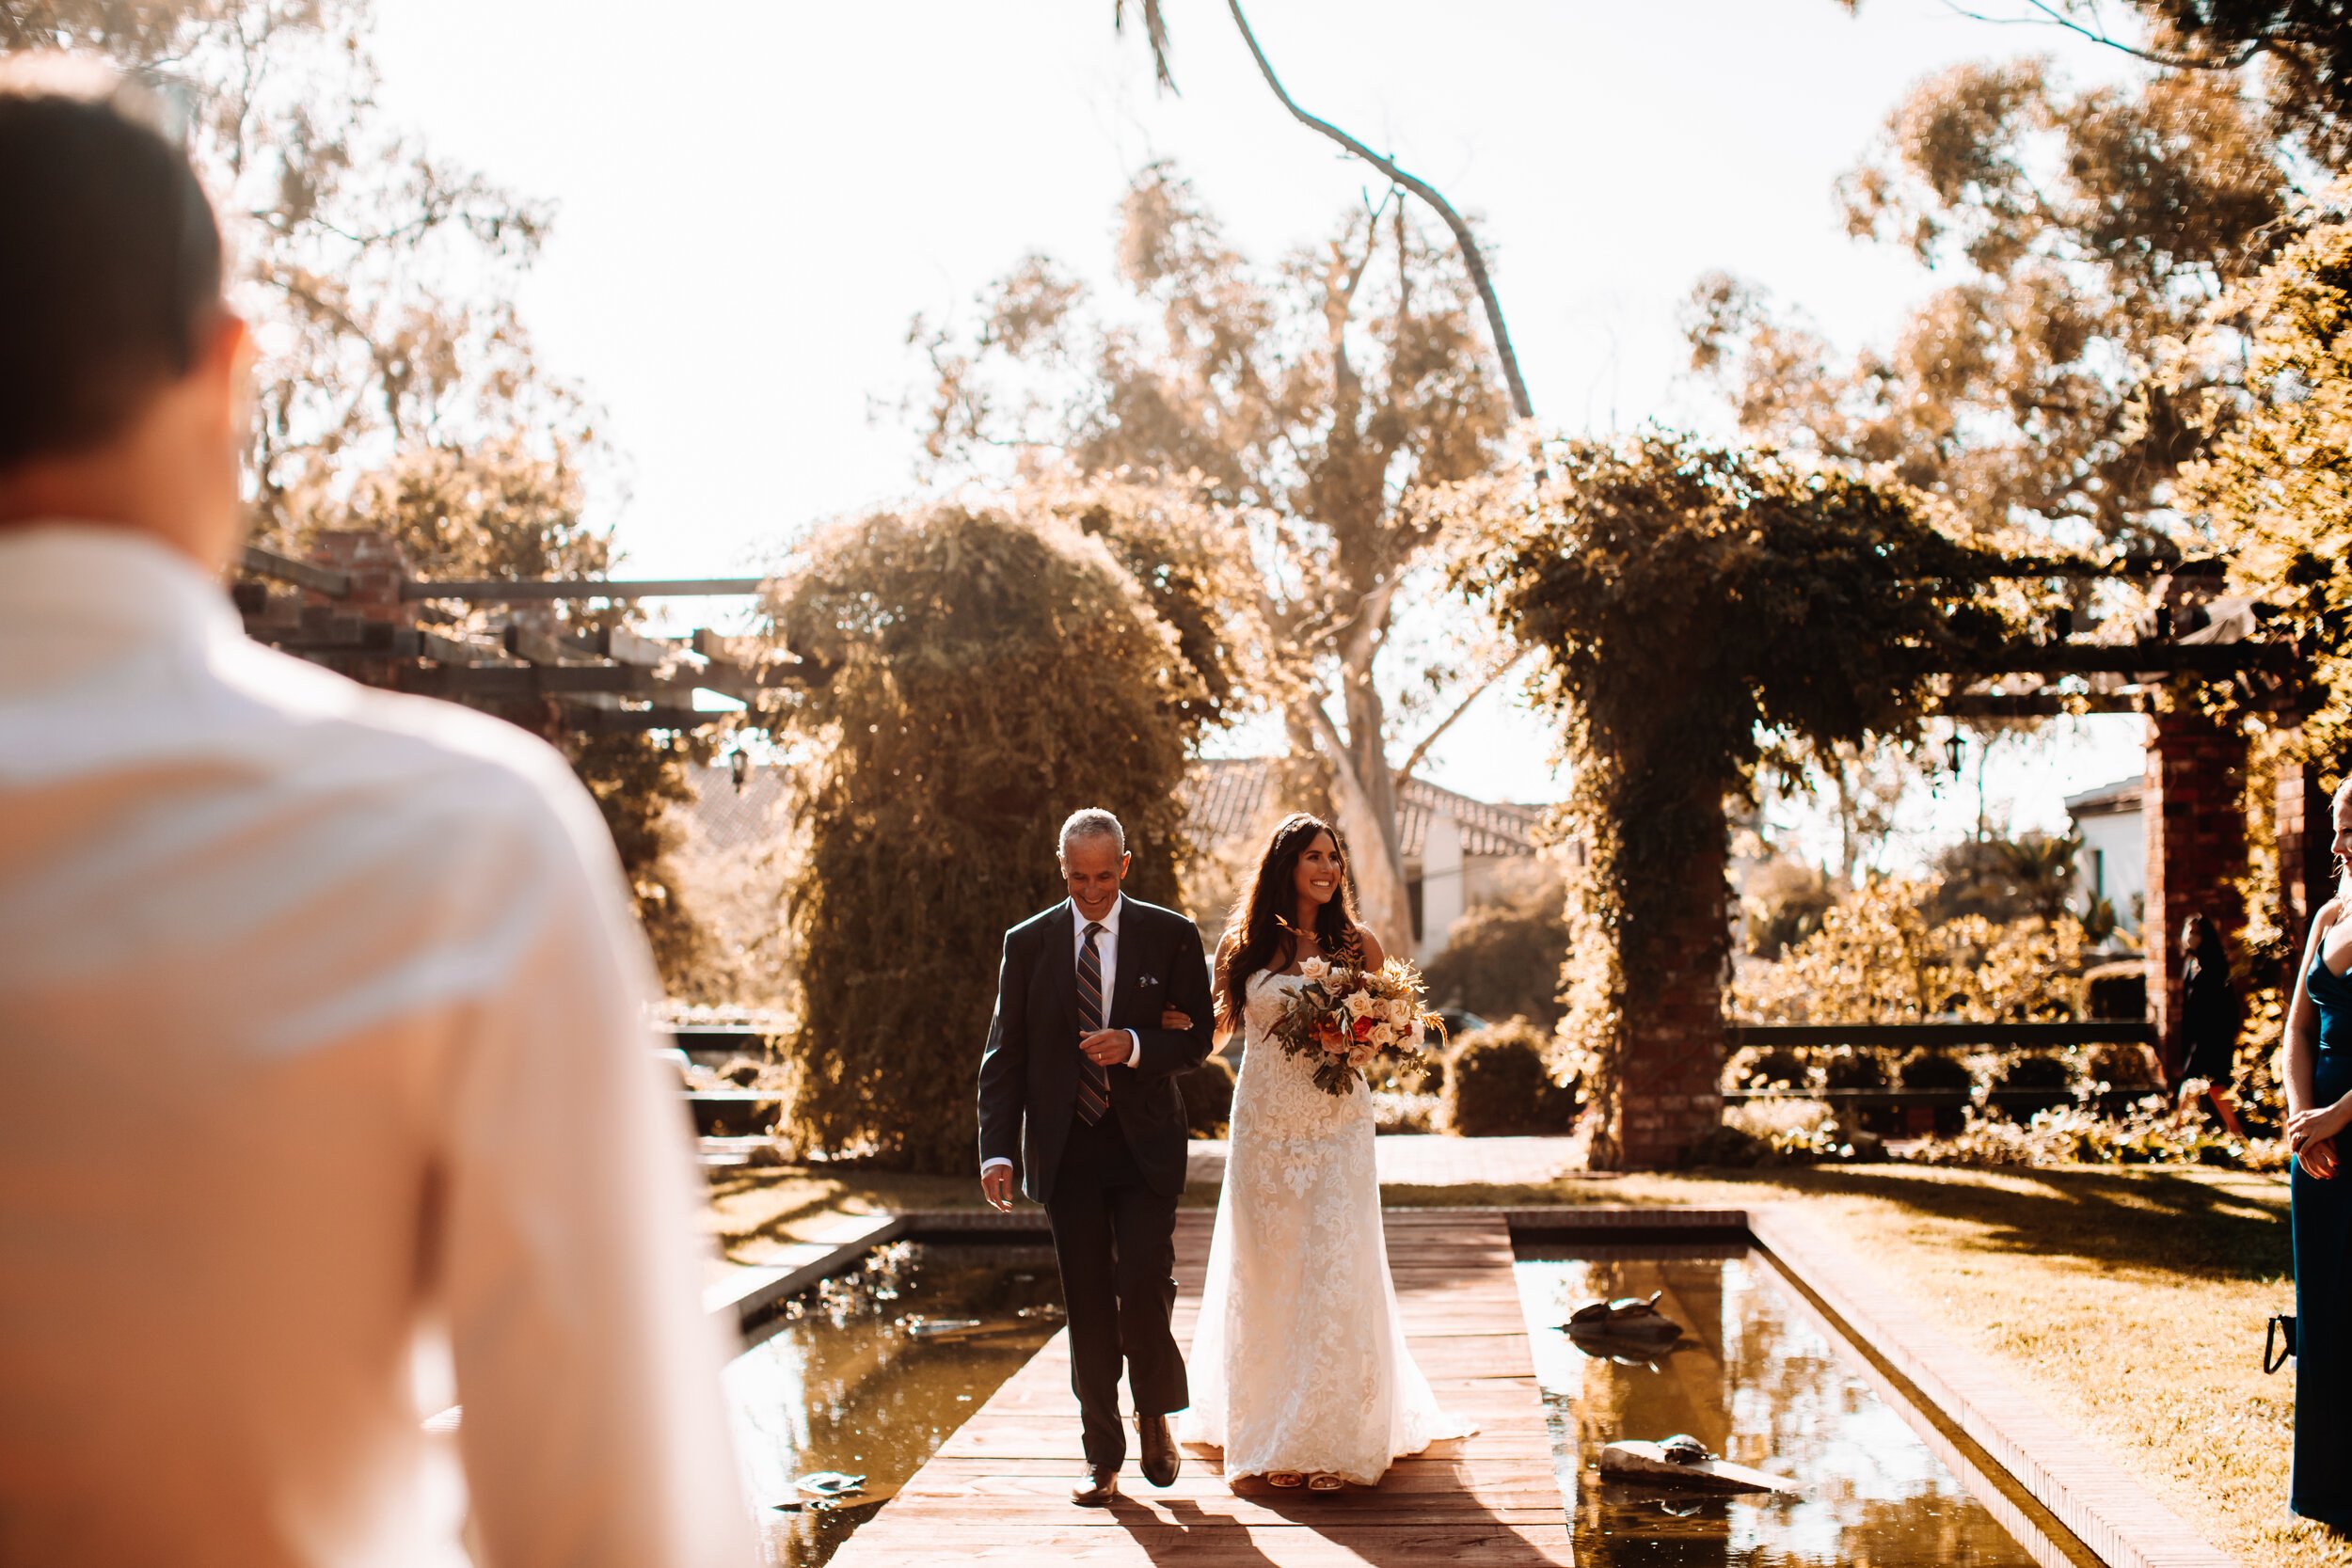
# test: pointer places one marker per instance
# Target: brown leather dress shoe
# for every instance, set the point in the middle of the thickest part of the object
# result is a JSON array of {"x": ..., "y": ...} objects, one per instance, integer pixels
[
  {"x": 1160, "y": 1459},
  {"x": 1099, "y": 1488}
]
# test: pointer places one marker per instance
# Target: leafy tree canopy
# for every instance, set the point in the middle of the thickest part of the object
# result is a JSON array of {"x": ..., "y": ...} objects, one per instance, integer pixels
[
  {"x": 989, "y": 671},
  {"x": 1316, "y": 404},
  {"x": 2090, "y": 234},
  {"x": 2277, "y": 488}
]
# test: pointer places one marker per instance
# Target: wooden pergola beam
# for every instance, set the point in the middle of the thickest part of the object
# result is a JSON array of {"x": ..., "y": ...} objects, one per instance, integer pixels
[{"x": 499, "y": 591}]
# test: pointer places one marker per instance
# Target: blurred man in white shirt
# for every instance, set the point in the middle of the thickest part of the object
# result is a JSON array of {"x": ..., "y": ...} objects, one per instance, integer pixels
[{"x": 321, "y": 1008}]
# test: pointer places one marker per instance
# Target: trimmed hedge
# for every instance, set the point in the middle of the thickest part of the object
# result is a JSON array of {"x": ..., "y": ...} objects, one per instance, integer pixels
[
  {"x": 1496, "y": 1084},
  {"x": 1208, "y": 1091}
]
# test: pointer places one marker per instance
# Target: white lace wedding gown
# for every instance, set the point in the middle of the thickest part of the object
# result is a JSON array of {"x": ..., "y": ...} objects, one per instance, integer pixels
[{"x": 1299, "y": 1361}]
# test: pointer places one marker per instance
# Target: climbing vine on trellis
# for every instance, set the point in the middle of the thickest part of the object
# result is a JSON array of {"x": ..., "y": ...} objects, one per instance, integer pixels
[{"x": 1695, "y": 610}]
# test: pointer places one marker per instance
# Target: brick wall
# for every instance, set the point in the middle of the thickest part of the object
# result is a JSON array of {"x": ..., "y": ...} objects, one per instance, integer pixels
[
  {"x": 2192, "y": 808},
  {"x": 1672, "y": 1081},
  {"x": 2306, "y": 860}
]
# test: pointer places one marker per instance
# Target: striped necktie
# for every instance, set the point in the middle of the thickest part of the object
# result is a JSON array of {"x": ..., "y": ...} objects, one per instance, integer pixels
[{"x": 1095, "y": 1078}]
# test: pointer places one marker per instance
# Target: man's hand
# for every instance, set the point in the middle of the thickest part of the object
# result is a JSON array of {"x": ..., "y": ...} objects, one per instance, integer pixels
[
  {"x": 996, "y": 1186},
  {"x": 1175, "y": 1018},
  {"x": 1107, "y": 1047}
]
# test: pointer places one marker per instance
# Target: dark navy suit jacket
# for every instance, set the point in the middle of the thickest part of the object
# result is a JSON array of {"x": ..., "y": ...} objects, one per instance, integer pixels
[{"x": 1029, "y": 1072}]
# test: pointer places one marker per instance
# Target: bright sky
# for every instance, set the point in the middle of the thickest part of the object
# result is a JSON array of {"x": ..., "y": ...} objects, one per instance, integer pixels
[{"x": 752, "y": 198}]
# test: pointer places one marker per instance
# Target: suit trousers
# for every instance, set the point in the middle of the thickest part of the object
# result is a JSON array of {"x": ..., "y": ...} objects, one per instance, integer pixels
[{"x": 1115, "y": 1239}]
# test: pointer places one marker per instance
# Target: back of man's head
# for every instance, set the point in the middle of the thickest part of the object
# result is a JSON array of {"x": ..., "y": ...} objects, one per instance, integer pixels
[{"x": 111, "y": 272}]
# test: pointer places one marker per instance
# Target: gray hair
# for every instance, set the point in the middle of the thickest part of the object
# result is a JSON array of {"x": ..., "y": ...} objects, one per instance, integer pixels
[{"x": 1093, "y": 822}]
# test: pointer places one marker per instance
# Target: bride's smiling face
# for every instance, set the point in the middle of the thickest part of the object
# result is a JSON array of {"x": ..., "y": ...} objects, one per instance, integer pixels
[{"x": 1319, "y": 871}]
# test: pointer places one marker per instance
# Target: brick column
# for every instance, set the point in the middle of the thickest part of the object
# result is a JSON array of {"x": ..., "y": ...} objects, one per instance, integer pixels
[
  {"x": 1671, "y": 1080},
  {"x": 2193, "y": 808},
  {"x": 2306, "y": 864},
  {"x": 377, "y": 568}
]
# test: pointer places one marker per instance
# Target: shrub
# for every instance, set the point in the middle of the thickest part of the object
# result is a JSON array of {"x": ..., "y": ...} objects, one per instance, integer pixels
[
  {"x": 1776, "y": 1070},
  {"x": 1880, "y": 956},
  {"x": 2042, "y": 1083},
  {"x": 1862, "y": 1069},
  {"x": 2117, "y": 991},
  {"x": 1208, "y": 1091},
  {"x": 1925, "y": 1069},
  {"x": 984, "y": 673},
  {"x": 1496, "y": 1084},
  {"x": 2150, "y": 1133},
  {"x": 2122, "y": 1067}
]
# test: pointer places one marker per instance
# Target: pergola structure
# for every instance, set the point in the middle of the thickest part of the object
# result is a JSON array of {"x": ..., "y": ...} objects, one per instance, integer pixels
[
  {"x": 353, "y": 608},
  {"x": 2193, "y": 808}
]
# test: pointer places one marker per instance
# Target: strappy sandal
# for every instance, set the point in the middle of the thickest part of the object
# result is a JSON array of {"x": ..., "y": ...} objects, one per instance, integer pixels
[
  {"x": 1323, "y": 1481},
  {"x": 1285, "y": 1478}
]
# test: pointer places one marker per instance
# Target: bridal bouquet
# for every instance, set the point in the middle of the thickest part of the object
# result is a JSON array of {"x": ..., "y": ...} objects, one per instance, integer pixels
[{"x": 1342, "y": 1018}]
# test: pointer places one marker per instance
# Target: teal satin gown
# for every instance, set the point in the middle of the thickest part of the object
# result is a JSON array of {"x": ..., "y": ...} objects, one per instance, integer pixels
[{"x": 2322, "y": 1487}]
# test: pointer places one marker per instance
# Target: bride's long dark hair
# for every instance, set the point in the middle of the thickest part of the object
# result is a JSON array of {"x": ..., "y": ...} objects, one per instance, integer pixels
[{"x": 1257, "y": 933}]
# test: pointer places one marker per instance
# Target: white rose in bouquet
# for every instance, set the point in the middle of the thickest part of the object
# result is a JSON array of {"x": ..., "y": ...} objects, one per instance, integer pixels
[
  {"x": 1315, "y": 968},
  {"x": 1359, "y": 1002}
]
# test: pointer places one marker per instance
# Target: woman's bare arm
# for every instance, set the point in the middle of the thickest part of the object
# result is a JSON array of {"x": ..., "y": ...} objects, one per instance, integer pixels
[
  {"x": 2302, "y": 1029},
  {"x": 1374, "y": 957}
]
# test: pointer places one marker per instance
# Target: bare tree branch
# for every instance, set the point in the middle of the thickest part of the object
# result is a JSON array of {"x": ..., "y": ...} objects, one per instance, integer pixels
[
  {"x": 2053, "y": 17},
  {"x": 1405, "y": 772},
  {"x": 1154, "y": 32},
  {"x": 1472, "y": 258}
]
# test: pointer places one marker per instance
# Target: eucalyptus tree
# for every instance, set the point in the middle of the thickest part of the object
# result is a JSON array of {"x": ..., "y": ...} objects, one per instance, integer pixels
[
  {"x": 1316, "y": 404},
  {"x": 2089, "y": 234},
  {"x": 396, "y": 387}
]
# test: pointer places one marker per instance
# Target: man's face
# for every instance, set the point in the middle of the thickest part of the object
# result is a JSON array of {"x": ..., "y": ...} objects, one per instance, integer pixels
[{"x": 1093, "y": 868}]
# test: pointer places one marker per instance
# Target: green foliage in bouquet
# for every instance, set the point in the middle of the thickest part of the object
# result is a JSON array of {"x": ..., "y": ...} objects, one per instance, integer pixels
[{"x": 988, "y": 670}]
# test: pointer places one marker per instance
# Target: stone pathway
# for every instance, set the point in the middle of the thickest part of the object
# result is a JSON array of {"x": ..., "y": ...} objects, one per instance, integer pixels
[{"x": 1429, "y": 1160}]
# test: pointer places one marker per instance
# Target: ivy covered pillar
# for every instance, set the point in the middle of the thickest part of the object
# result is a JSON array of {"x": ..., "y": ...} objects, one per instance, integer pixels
[
  {"x": 2193, "y": 811},
  {"x": 1670, "y": 1077},
  {"x": 2306, "y": 860}
]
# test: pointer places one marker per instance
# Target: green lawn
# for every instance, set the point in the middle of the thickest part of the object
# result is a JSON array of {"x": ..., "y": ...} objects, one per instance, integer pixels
[{"x": 2130, "y": 1301}]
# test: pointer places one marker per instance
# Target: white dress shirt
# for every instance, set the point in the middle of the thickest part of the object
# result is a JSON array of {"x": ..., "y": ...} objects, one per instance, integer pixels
[
  {"x": 320, "y": 1036},
  {"x": 1106, "y": 952}
]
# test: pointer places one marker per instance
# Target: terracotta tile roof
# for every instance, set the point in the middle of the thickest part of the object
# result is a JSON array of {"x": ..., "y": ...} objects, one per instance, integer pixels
[{"x": 1227, "y": 797}]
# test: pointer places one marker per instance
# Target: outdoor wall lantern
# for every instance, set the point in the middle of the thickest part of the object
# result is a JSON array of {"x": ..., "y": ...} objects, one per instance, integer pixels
[
  {"x": 739, "y": 767},
  {"x": 1954, "y": 752}
]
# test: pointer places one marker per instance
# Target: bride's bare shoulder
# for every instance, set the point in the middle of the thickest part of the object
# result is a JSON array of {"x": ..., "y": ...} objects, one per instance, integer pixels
[{"x": 1374, "y": 957}]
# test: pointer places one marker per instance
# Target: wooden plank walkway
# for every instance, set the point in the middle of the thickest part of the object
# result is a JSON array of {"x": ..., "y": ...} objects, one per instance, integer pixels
[{"x": 1000, "y": 1486}]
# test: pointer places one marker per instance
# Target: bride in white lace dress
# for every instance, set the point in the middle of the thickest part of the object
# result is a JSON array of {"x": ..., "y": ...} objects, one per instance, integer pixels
[{"x": 1299, "y": 1368}]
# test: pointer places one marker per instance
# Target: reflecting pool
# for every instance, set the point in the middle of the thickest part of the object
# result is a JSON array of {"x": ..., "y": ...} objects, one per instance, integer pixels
[
  {"x": 868, "y": 1372},
  {"x": 1756, "y": 1381}
]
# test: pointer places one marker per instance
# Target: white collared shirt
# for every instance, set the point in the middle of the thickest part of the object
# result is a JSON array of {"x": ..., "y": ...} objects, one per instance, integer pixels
[
  {"x": 321, "y": 1030},
  {"x": 1106, "y": 953}
]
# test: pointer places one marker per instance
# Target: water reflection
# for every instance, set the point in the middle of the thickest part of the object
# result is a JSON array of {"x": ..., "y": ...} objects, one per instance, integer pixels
[
  {"x": 1759, "y": 1385},
  {"x": 870, "y": 1371}
]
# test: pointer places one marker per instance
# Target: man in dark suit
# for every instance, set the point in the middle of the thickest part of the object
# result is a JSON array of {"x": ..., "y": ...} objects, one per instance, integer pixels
[{"x": 1078, "y": 1083}]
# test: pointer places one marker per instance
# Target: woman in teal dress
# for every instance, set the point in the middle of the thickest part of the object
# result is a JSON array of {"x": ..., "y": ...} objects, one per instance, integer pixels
[{"x": 2319, "y": 1107}]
